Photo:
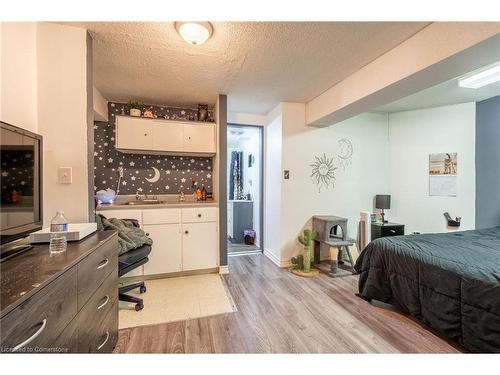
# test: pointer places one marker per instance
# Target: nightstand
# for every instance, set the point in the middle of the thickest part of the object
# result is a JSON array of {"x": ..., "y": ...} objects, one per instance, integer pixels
[{"x": 387, "y": 230}]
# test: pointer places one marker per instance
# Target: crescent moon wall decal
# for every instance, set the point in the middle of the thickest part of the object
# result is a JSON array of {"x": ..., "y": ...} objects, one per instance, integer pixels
[{"x": 155, "y": 178}]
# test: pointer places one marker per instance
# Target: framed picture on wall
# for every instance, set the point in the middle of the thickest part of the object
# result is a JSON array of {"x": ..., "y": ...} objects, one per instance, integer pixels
[{"x": 443, "y": 169}]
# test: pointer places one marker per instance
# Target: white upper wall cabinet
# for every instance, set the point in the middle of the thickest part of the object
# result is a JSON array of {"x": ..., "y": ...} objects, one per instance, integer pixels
[
  {"x": 156, "y": 136},
  {"x": 133, "y": 133}
]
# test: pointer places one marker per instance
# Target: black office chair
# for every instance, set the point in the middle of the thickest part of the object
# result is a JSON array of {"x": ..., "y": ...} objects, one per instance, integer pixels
[{"x": 126, "y": 263}]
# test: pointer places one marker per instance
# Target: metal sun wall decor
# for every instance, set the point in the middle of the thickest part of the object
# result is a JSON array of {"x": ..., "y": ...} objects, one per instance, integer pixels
[
  {"x": 324, "y": 169},
  {"x": 323, "y": 172},
  {"x": 345, "y": 153}
]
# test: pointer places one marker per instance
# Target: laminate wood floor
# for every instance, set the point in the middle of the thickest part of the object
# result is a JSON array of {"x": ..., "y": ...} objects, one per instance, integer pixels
[{"x": 279, "y": 312}]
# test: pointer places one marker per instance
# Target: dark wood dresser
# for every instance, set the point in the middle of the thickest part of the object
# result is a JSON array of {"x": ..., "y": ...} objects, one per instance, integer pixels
[
  {"x": 387, "y": 230},
  {"x": 61, "y": 303}
]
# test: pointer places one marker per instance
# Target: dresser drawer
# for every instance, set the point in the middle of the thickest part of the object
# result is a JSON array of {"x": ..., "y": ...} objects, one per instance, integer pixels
[
  {"x": 199, "y": 214},
  {"x": 103, "y": 336},
  {"x": 40, "y": 320},
  {"x": 94, "y": 269},
  {"x": 95, "y": 312},
  {"x": 99, "y": 303},
  {"x": 393, "y": 231},
  {"x": 161, "y": 216}
]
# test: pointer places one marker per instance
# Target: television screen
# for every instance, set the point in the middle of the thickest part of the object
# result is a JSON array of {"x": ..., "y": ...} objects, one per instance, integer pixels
[{"x": 20, "y": 164}]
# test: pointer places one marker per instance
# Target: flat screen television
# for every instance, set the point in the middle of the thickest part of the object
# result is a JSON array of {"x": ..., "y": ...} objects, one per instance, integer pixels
[{"x": 21, "y": 183}]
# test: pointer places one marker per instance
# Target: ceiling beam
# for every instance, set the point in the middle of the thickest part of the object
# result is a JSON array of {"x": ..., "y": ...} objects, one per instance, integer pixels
[{"x": 439, "y": 52}]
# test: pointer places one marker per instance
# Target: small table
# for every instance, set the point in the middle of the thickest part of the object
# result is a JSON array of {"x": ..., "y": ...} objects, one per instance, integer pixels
[{"x": 380, "y": 230}]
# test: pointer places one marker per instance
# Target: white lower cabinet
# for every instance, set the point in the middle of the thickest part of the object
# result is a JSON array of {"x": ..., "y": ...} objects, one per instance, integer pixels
[
  {"x": 199, "y": 246},
  {"x": 166, "y": 252},
  {"x": 183, "y": 239}
]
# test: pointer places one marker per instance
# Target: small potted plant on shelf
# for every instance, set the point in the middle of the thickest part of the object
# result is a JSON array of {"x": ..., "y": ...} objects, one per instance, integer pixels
[{"x": 135, "y": 108}]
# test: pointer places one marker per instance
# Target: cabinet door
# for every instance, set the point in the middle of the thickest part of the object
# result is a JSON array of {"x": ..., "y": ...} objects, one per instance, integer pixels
[
  {"x": 166, "y": 254},
  {"x": 199, "y": 138},
  {"x": 134, "y": 133},
  {"x": 199, "y": 246},
  {"x": 168, "y": 136}
]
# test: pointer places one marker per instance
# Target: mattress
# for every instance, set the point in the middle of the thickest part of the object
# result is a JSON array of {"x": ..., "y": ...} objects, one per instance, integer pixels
[{"x": 449, "y": 281}]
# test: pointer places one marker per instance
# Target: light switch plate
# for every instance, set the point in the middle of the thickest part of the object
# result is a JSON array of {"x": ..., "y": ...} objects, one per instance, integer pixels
[{"x": 65, "y": 175}]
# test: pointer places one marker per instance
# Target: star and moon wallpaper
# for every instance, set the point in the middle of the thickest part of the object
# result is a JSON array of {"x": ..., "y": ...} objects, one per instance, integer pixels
[
  {"x": 324, "y": 168},
  {"x": 148, "y": 174}
]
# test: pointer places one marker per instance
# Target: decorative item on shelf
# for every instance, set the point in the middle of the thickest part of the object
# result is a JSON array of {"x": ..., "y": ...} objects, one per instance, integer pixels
[
  {"x": 182, "y": 197},
  {"x": 203, "y": 193},
  {"x": 210, "y": 196},
  {"x": 122, "y": 112},
  {"x": 304, "y": 267},
  {"x": 135, "y": 108},
  {"x": 148, "y": 112},
  {"x": 451, "y": 222},
  {"x": 202, "y": 112},
  {"x": 105, "y": 196}
]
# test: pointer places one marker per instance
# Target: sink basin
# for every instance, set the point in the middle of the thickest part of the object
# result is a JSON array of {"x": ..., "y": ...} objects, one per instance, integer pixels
[{"x": 143, "y": 202}]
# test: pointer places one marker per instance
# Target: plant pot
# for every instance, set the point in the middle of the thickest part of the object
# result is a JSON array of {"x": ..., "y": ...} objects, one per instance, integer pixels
[{"x": 135, "y": 112}]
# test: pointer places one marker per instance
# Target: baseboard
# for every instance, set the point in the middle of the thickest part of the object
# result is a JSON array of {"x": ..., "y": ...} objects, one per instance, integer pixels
[
  {"x": 280, "y": 263},
  {"x": 223, "y": 270}
]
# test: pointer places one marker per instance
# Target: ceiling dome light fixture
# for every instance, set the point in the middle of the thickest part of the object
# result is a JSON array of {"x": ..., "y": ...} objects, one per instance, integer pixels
[{"x": 195, "y": 33}]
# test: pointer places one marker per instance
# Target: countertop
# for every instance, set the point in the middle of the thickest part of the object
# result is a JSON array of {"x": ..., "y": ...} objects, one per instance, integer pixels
[
  {"x": 167, "y": 201},
  {"x": 23, "y": 275}
]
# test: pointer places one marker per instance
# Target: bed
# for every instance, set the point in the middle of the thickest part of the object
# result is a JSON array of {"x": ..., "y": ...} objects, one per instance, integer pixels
[{"x": 450, "y": 281}]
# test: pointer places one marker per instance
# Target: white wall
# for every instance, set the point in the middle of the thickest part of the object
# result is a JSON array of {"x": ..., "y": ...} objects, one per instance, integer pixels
[
  {"x": 245, "y": 119},
  {"x": 272, "y": 185},
  {"x": 291, "y": 145},
  {"x": 62, "y": 117},
  {"x": 354, "y": 187},
  {"x": 18, "y": 94},
  {"x": 43, "y": 89},
  {"x": 100, "y": 106},
  {"x": 413, "y": 135}
]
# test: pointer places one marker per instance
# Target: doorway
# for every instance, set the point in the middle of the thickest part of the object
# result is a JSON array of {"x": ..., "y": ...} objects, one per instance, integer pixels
[{"x": 245, "y": 189}]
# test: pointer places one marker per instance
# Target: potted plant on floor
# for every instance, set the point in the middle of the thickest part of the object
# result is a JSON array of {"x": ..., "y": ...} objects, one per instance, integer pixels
[
  {"x": 302, "y": 264},
  {"x": 135, "y": 108}
]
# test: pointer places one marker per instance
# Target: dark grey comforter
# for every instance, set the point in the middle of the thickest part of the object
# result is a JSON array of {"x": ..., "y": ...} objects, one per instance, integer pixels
[{"x": 449, "y": 281}]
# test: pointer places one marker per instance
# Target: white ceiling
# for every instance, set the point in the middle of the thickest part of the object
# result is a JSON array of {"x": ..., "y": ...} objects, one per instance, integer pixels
[
  {"x": 257, "y": 64},
  {"x": 446, "y": 93}
]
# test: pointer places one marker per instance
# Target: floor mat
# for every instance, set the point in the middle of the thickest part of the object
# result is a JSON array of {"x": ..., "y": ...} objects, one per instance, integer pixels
[{"x": 177, "y": 298}]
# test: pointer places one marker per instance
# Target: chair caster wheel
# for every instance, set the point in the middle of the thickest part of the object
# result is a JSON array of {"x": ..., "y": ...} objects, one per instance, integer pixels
[
  {"x": 139, "y": 306},
  {"x": 142, "y": 289}
]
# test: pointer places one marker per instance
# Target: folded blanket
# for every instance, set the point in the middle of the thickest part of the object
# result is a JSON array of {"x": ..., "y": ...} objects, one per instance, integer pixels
[{"x": 129, "y": 236}]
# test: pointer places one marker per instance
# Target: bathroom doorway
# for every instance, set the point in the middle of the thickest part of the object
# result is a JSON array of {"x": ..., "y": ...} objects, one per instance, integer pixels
[{"x": 245, "y": 189}]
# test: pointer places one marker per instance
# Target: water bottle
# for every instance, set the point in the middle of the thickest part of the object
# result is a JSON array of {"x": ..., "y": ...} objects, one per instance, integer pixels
[{"x": 58, "y": 228}]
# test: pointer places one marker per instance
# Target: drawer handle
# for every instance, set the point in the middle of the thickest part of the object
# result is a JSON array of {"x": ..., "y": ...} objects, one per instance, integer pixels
[
  {"x": 392, "y": 231},
  {"x": 106, "y": 300},
  {"x": 199, "y": 215},
  {"x": 186, "y": 232},
  {"x": 104, "y": 263},
  {"x": 104, "y": 342},
  {"x": 30, "y": 339}
]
